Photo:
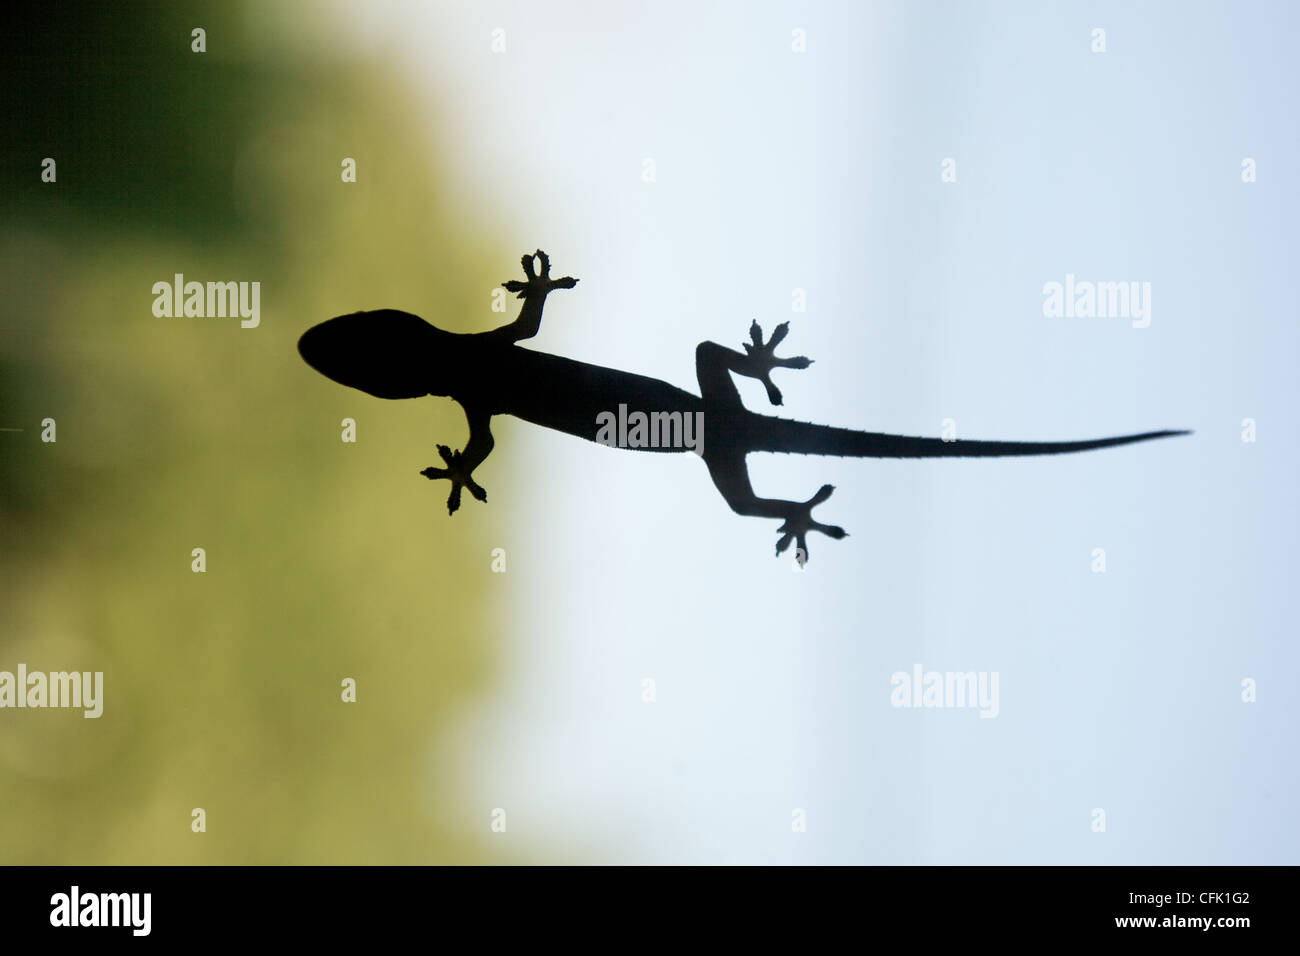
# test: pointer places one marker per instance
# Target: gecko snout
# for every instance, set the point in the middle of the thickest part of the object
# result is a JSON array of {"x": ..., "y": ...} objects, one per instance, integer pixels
[{"x": 386, "y": 353}]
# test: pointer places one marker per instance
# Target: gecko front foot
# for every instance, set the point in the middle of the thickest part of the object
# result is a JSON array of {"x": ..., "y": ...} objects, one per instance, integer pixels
[
  {"x": 800, "y": 522},
  {"x": 538, "y": 285},
  {"x": 760, "y": 359},
  {"x": 459, "y": 476}
]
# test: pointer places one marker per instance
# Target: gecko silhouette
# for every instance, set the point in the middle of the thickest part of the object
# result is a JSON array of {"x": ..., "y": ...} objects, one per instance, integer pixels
[{"x": 394, "y": 354}]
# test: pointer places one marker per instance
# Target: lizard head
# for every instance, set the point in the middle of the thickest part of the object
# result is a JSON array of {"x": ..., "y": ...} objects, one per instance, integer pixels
[{"x": 387, "y": 353}]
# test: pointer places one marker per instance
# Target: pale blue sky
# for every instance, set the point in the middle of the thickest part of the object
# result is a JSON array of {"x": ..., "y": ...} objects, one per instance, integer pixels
[{"x": 821, "y": 171}]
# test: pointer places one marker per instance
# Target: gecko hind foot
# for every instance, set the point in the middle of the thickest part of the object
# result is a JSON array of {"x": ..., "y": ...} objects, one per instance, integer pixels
[
  {"x": 800, "y": 521},
  {"x": 459, "y": 476},
  {"x": 761, "y": 360},
  {"x": 537, "y": 284}
]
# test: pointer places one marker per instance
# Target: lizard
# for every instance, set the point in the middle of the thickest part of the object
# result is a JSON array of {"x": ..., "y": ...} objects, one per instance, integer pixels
[{"x": 397, "y": 355}]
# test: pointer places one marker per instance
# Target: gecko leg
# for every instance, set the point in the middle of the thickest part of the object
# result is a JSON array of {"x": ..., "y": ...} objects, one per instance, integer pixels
[
  {"x": 534, "y": 292},
  {"x": 800, "y": 521},
  {"x": 725, "y": 451},
  {"x": 731, "y": 477},
  {"x": 461, "y": 465},
  {"x": 714, "y": 361}
]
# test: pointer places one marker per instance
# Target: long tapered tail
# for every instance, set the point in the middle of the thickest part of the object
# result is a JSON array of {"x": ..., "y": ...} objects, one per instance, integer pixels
[{"x": 805, "y": 438}]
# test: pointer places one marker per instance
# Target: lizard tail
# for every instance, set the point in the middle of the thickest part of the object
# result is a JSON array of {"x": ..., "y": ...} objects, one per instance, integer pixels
[{"x": 805, "y": 438}]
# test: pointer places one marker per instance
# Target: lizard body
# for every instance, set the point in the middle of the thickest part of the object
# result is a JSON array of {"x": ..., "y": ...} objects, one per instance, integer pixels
[{"x": 394, "y": 354}]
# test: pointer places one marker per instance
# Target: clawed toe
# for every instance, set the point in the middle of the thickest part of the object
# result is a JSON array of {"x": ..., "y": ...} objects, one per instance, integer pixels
[
  {"x": 800, "y": 522},
  {"x": 537, "y": 284},
  {"x": 762, "y": 358},
  {"x": 459, "y": 476}
]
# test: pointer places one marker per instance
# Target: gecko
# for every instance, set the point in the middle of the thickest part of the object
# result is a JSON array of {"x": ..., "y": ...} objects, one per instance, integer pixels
[{"x": 397, "y": 355}]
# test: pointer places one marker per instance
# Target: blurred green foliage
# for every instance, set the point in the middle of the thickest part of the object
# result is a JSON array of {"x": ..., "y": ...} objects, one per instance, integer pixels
[{"x": 325, "y": 560}]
